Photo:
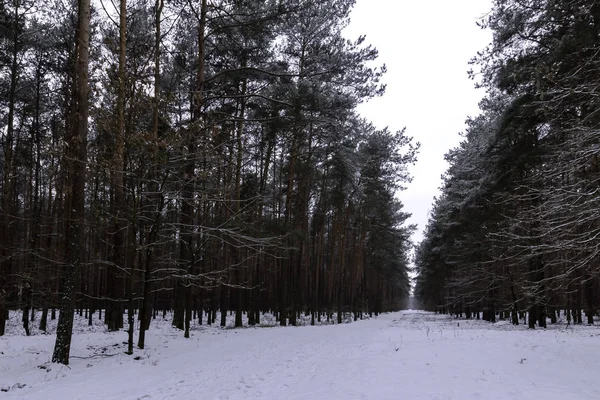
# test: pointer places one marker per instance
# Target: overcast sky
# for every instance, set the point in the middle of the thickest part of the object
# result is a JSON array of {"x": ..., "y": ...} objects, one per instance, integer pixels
[{"x": 426, "y": 46}]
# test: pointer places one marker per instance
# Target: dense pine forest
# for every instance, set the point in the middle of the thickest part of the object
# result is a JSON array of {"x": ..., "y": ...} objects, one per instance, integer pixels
[
  {"x": 202, "y": 156},
  {"x": 515, "y": 233}
]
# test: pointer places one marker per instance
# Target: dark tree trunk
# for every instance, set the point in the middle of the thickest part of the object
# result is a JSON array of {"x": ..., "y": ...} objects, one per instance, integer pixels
[
  {"x": 26, "y": 309},
  {"x": 542, "y": 316},
  {"x": 589, "y": 299},
  {"x": 223, "y": 306},
  {"x": 44, "y": 319},
  {"x": 515, "y": 316},
  {"x": 76, "y": 187},
  {"x": 179, "y": 311},
  {"x": 552, "y": 314},
  {"x": 3, "y": 318},
  {"x": 188, "y": 312},
  {"x": 532, "y": 315}
]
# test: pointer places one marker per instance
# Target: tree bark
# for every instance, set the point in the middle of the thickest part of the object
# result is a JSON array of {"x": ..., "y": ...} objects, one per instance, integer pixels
[{"x": 75, "y": 185}]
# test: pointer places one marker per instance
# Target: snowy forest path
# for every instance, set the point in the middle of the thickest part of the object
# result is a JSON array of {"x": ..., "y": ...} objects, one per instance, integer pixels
[
  {"x": 405, "y": 355},
  {"x": 275, "y": 363}
]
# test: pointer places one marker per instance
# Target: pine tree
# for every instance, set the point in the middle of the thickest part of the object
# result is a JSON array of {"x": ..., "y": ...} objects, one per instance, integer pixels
[{"x": 75, "y": 200}]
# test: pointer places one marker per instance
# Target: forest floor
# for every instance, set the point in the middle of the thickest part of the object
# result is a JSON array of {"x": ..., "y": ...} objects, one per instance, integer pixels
[{"x": 405, "y": 355}]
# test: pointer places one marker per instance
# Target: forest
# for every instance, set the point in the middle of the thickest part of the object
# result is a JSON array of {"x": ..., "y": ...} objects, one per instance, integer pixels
[
  {"x": 202, "y": 156},
  {"x": 515, "y": 232}
]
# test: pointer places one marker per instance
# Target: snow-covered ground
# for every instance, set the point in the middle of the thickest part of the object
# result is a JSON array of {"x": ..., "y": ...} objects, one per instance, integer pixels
[{"x": 406, "y": 355}]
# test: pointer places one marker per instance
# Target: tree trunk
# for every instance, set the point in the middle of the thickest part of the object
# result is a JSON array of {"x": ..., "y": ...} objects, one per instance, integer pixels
[
  {"x": 44, "y": 319},
  {"x": 188, "y": 311},
  {"x": 532, "y": 315},
  {"x": 74, "y": 206},
  {"x": 223, "y": 305},
  {"x": 6, "y": 236},
  {"x": 589, "y": 299},
  {"x": 145, "y": 311}
]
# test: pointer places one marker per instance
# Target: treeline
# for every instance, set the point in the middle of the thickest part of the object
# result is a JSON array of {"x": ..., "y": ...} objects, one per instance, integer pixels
[
  {"x": 516, "y": 231},
  {"x": 195, "y": 156}
]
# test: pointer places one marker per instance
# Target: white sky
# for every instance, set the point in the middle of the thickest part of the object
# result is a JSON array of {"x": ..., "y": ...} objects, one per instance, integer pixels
[{"x": 426, "y": 46}]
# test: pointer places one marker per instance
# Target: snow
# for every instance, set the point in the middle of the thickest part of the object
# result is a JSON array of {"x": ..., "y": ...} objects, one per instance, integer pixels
[{"x": 405, "y": 355}]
